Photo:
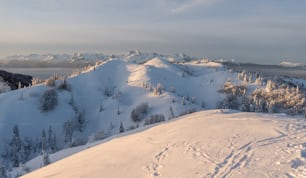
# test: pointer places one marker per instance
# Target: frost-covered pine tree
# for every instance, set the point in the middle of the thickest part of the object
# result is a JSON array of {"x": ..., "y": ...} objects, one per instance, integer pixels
[
  {"x": 80, "y": 119},
  {"x": 101, "y": 107},
  {"x": 118, "y": 111},
  {"x": 73, "y": 104},
  {"x": 250, "y": 78},
  {"x": 171, "y": 113},
  {"x": 269, "y": 86},
  {"x": 2, "y": 171},
  {"x": 51, "y": 138},
  {"x": 158, "y": 89},
  {"x": 43, "y": 141},
  {"x": 46, "y": 159},
  {"x": 68, "y": 129},
  {"x": 19, "y": 85},
  {"x": 16, "y": 145},
  {"x": 121, "y": 128},
  {"x": 258, "y": 81}
]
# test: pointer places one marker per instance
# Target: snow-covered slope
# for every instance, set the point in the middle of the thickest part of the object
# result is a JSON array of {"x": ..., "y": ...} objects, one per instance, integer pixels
[
  {"x": 205, "y": 144},
  {"x": 115, "y": 84},
  {"x": 105, "y": 97},
  {"x": 129, "y": 91}
]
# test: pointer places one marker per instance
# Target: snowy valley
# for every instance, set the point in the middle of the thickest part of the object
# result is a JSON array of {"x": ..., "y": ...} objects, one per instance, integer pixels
[{"x": 126, "y": 94}]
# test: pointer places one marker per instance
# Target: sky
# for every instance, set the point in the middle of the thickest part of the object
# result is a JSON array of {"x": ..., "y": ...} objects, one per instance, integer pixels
[{"x": 261, "y": 31}]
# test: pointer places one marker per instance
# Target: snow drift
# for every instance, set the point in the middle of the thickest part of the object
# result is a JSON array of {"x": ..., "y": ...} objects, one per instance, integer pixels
[{"x": 205, "y": 144}]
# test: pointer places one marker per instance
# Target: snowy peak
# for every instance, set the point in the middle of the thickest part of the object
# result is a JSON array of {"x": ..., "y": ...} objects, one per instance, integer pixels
[
  {"x": 157, "y": 62},
  {"x": 290, "y": 64}
]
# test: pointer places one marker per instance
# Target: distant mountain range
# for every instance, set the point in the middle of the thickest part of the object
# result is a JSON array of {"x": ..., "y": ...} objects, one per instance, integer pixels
[
  {"x": 291, "y": 64},
  {"x": 78, "y": 59}
]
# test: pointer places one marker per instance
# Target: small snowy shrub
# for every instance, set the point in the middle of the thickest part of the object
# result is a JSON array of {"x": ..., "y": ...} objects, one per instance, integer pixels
[
  {"x": 50, "y": 82},
  {"x": 188, "y": 111},
  {"x": 155, "y": 119},
  {"x": 64, "y": 86},
  {"x": 101, "y": 135},
  {"x": 4, "y": 87},
  {"x": 108, "y": 92},
  {"x": 139, "y": 112},
  {"x": 36, "y": 81},
  {"x": 132, "y": 127},
  {"x": 48, "y": 100},
  {"x": 230, "y": 88},
  {"x": 121, "y": 128},
  {"x": 159, "y": 89},
  {"x": 2, "y": 171},
  {"x": 46, "y": 159}
]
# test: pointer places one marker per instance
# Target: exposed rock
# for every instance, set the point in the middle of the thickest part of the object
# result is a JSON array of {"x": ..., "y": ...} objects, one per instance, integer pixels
[{"x": 13, "y": 79}]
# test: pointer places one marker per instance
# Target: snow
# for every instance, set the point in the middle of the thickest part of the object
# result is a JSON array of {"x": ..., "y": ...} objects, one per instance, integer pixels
[
  {"x": 290, "y": 64},
  {"x": 125, "y": 81},
  {"x": 198, "y": 145},
  {"x": 211, "y": 143}
]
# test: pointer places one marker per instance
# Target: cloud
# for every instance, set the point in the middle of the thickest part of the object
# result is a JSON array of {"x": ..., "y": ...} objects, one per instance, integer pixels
[{"x": 191, "y": 4}]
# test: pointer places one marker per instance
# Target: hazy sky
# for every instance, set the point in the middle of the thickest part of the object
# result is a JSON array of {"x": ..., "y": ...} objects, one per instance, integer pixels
[{"x": 260, "y": 31}]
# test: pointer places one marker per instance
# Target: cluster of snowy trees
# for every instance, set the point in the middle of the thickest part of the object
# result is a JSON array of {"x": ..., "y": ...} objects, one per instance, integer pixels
[
  {"x": 18, "y": 150},
  {"x": 155, "y": 118},
  {"x": 139, "y": 113},
  {"x": 281, "y": 98},
  {"x": 48, "y": 100},
  {"x": 250, "y": 78},
  {"x": 73, "y": 127},
  {"x": 4, "y": 87},
  {"x": 273, "y": 98}
]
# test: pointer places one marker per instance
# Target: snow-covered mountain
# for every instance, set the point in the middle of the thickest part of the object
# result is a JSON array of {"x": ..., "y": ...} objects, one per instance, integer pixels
[
  {"x": 123, "y": 93},
  {"x": 204, "y": 144},
  {"x": 81, "y": 59},
  {"x": 291, "y": 64},
  {"x": 53, "y": 60}
]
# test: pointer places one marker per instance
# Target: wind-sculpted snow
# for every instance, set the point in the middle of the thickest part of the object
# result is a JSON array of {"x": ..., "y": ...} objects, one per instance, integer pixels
[{"x": 217, "y": 143}]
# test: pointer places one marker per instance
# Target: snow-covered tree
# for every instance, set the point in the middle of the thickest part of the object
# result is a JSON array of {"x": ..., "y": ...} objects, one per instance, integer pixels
[
  {"x": 64, "y": 85},
  {"x": 51, "y": 138},
  {"x": 46, "y": 159},
  {"x": 118, "y": 111},
  {"x": 140, "y": 112},
  {"x": 171, "y": 113},
  {"x": 48, "y": 100},
  {"x": 121, "y": 128},
  {"x": 101, "y": 107},
  {"x": 4, "y": 87},
  {"x": 28, "y": 147},
  {"x": 36, "y": 81},
  {"x": 258, "y": 81},
  {"x": 50, "y": 82},
  {"x": 155, "y": 119},
  {"x": 73, "y": 104},
  {"x": 80, "y": 121},
  {"x": 19, "y": 85},
  {"x": 158, "y": 90},
  {"x": 44, "y": 142},
  {"x": 16, "y": 146},
  {"x": 68, "y": 129},
  {"x": 2, "y": 171},
  {"x": 270, "y": 86}
]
